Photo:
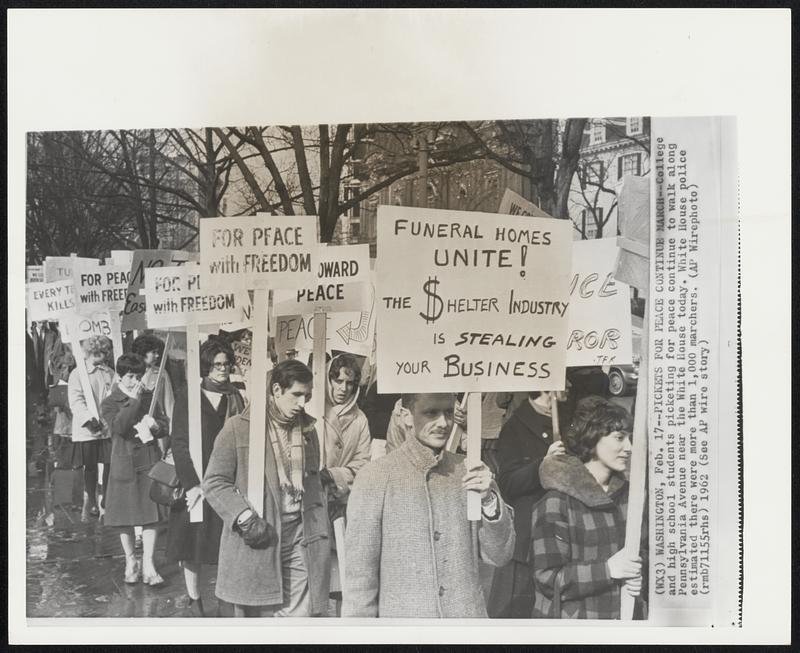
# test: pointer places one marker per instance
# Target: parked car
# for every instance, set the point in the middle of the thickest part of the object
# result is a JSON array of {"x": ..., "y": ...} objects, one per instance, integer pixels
[{"x": 622, "y": 379}]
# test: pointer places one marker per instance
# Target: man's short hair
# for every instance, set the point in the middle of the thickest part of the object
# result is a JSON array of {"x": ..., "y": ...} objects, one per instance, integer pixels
[
  {"x": 347, "y": 362},
  {"x": 594, "y": 418},
  {"x": 209, "y": 351},
  {"x": 146, "y": 343},
  {"x": 130, "y": 363},
  {"x": 289, "y": 372}
]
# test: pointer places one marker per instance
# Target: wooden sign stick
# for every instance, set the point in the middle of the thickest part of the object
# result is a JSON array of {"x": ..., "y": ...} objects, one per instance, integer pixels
[
  {"x": 455, "y": 435},
  {"x": 320, "y": 379},
  {"x": 193, "y": 401},
  {"x": 116, "y": 333},
  {"x": 258, "y": 401},
  {"x": 554, "y": 417},
  {"x": 474, "y": 416},
  {"x": 638, "y": 476},
  {"x": 159, "y": 377},
  {"x": 83, "y": 373}
]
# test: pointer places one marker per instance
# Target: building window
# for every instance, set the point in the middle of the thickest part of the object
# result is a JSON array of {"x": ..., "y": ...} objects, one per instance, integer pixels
[
  {"x": 594, "y": 172},
  {"x": 633, "y": 126},
  {"x": 355, "y": 230},
  {"x": 598, "y": 133},
  {"x": 589, "y": 222},
  {"x": 629, "y": 164}
]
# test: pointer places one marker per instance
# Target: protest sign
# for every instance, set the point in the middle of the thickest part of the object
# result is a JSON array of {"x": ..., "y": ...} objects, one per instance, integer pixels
[
  {"x": 174, "y": 292},
  {"x": 58, "y": 268},
  {"x": 242, "y": 352},
  {"x": 134, "y": 312},
  {"x": 50, "y": 301},
  {"x": 99, "y": 287},
  {"x": 343, "y": 275},
  {"x": 633, "y": 265},
  {"x": 352, "y": 332},
  {"x": 123, "y": 257},
  {"x": 514, "y": 204},
  {"x": 34, "y": 274},
  {"x": 471, "y": 301},
  {"x": 258, "y": 251},
  {"x": 599, "y": 313}
]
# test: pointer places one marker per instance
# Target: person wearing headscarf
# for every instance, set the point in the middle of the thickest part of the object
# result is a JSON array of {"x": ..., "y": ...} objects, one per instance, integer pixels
[{"x": 347, "y": 443}]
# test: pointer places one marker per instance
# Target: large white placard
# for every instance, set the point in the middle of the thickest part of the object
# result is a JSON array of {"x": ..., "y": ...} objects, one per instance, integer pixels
[
  {"x": 599, "y": 313},
  {"x": 342, "y": 284},
  {"x": 173, "y": 293},
  {"x": 471, "y": 301},
  {"x": 258, "y": 251},
  {"x": 99, "y": 287},
  {"x": 50, "y": 301}
]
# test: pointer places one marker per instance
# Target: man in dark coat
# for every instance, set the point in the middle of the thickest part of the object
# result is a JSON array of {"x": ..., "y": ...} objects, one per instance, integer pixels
[{"x": 525, "y": 439}]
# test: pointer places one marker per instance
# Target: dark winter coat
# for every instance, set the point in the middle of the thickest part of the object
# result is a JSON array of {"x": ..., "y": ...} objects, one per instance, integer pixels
[
  {"x": 199, "y": 541},
  {"x": 520, "y": 450},
  {"x": 128, "y": 500},
  {"x": 577, "y": 527},
  {"x": 253, "y": 576}
]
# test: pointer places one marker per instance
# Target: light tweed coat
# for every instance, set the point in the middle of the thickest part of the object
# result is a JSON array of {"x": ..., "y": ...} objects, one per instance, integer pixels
[{"x": 410, "y": 550}]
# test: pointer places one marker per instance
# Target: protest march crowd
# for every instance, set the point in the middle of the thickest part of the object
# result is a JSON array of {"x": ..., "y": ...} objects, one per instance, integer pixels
[{"x": 372, "y": 524}]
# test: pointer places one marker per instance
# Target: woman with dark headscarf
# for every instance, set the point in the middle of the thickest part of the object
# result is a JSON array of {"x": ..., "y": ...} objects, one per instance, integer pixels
[{"x": 194, "y": 544}]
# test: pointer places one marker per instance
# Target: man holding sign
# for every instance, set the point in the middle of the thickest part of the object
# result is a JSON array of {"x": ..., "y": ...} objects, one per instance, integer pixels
[
  {"x": 274, "y": 558},
  {"x": 410, "y": 549}
]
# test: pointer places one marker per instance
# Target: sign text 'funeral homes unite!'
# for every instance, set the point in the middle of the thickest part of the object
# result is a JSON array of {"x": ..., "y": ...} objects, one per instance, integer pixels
[
  {"x": 471, "y": 301},
  {"x": 258, "y": 251}
]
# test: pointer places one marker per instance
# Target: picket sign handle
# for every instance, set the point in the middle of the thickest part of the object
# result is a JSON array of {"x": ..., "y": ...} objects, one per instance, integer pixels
[
  {"x": 638, "y": 475},
  {"x": 193, "y": 400},
  {"x": 159, "y": 376},
  {"x": 338, "y": 534},
  {"x": 474, "y": 420},
  {"x": 116, "y": 333},
  {"x": 320, "y": 379},
  {"x": 258, "y": 401},
  {"x": 83, "y": 373},
  {"x": 455, "y": 435},
  {"x": 554, "y": 417}
]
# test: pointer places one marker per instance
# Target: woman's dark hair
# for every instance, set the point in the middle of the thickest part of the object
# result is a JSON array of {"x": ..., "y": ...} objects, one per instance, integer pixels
[
  {"x": 594, "y": 418},
  {"x": 131, "y": 363},
  {"x": 146, "y": 343},
  {"x": 209, "y": 351},
  {"x": 289, "y": 372},
  {"x": 347, "y": 362}
]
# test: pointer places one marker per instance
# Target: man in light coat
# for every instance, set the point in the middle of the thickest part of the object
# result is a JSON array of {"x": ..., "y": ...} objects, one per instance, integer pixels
[{"x": 410, "y": 550}]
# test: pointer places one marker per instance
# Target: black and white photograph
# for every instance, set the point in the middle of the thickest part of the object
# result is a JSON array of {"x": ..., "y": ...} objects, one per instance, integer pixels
[{"x": 411, "y": 371}]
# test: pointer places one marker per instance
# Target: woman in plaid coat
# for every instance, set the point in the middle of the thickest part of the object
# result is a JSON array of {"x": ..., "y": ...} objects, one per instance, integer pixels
[{"x": 578, "y": 527}]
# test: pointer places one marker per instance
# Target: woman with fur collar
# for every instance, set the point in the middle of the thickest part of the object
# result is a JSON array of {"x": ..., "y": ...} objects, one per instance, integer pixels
[{"x": 577, "y": 556}]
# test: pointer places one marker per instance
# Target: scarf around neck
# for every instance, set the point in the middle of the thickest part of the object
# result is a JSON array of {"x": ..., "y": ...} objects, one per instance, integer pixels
[
  {"x": 235, "y": 401},
  {"x": 286, "y": 437}
]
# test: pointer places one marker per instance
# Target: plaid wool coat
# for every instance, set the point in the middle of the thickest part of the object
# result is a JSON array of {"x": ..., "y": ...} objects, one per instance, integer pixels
[{"x": 576, "y": 528}]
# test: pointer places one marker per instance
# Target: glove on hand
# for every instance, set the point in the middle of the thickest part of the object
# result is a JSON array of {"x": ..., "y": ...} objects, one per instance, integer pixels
[
  {"x": 257, "y": 533},
  {"x": 326, "y": 478},
  {"x": 93, "y": 425}
]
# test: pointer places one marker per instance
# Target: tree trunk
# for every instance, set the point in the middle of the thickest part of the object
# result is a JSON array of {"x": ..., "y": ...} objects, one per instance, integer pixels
[
  {"x": 302, "y": 170},
  {"x": 210, "y": 174},
  {"x": 151, "y": 142},
  {"x": 568, "y": 164}
]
